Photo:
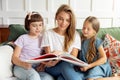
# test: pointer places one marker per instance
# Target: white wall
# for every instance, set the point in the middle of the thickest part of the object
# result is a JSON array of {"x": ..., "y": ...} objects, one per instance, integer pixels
[{"x": 107, "y": 11}]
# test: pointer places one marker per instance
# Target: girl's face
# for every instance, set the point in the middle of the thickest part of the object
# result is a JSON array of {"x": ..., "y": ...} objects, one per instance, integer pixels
[
  {"x": 63, "y": 20},
  {"x": 36, "y": 28},
  {"x": 88, "y": 30}
]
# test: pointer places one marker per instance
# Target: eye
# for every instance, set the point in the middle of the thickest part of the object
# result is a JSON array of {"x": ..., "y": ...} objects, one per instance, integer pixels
[
  {"x": 40, "y": 25},
  {"x": 60, "y": 18},
  {"x": 33, "y": 25},
  {"x": 83, "y": 28},
  {"x": 88, "y": 29},
  {"x": 68, "y": 20}
]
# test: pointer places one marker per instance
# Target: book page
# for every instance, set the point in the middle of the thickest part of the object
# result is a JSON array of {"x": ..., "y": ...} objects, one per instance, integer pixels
[
  {"x": 45, "y": 57},
  {"x": 72, "y": 59},
  {"x": 40, "y": 60}
]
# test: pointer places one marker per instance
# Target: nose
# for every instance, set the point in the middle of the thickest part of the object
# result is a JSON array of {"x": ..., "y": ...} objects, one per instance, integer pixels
[
  {"x": 37, "y": 27},
  {"x": 64, "y": 22}
]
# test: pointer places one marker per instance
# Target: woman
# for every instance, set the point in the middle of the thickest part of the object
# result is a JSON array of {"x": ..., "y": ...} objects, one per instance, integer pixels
[{"x": 61, "y": 39}]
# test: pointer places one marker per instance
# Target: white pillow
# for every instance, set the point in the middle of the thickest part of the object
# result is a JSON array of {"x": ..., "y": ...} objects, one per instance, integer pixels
[{"x": 5, "y": 61}]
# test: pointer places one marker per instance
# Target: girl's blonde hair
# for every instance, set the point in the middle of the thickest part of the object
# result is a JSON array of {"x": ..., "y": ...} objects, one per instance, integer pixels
[
  {"x": 91, "y": 53},
  {"x": 70, "y": 32}
]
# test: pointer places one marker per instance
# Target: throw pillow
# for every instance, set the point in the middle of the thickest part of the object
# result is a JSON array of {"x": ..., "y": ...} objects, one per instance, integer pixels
[
  {"x": 15, "y": 31},
  {"x": 112, "y": 49},
  {"x": 5, "y": 61}
]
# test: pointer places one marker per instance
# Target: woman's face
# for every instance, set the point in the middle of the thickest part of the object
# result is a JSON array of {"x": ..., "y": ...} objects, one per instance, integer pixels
[{"x": 63, "y": 20}]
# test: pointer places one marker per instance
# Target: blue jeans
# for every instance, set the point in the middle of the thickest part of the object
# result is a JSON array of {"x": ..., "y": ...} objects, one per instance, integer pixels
[
  {"x": 30, "y": 74},
  {"x": 64, "y": 71}
]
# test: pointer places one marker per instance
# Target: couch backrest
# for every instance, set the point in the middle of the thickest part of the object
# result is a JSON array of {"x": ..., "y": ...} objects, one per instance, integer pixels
[
  {"x": 114, "y": 31},
  {"x": 16, "y": 30}
]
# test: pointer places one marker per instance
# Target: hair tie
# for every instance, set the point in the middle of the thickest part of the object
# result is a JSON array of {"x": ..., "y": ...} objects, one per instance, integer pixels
[{"x": 30, "y": 14}]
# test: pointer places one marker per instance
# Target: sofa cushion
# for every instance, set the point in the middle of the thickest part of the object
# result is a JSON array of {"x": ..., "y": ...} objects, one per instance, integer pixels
[
  {"x": 112, "y": 49},
  {"x": 114, "y": 31},
  {"x": 5, "y": 62},
  {"x": 15, "y": 31}
]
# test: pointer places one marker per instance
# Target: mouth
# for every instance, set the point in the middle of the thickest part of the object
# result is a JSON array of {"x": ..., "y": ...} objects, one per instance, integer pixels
[{"x": 37, "y": 31}]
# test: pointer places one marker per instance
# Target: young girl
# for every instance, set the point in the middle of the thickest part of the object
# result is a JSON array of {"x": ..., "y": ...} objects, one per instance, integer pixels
[
  {"x": 27, "y": 47},
  {"x": 92, "y": 52},
  {"x": 61, "y": 39}
]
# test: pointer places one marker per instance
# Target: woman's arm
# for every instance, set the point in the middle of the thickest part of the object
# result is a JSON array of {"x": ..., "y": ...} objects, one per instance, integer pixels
[
  {"x": 16, "y": 60},
  {"x": 74, "y": 52},
  {"x": 49, "y": 63}
]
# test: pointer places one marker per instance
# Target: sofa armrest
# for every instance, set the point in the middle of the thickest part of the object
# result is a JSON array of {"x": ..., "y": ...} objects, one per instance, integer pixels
[{"x": 6, "y": 52}]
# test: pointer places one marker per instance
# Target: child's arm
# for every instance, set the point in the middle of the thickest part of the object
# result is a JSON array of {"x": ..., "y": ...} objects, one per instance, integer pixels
[
  {"x": 16, "y": 60},
  {"x": 47, "y": 49},
  {"x": 102, "y": 59}
]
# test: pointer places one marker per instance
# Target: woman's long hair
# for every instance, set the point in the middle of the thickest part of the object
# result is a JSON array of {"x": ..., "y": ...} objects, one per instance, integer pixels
[{"x": 70, "y": 32}]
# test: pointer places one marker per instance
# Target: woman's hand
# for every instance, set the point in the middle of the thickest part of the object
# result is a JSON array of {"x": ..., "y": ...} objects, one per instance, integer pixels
[
  {"x": 57, "y": 52},
  {"x": 52, "y": 62}
]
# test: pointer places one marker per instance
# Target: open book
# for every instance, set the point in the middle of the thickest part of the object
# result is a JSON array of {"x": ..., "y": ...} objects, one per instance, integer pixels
[{"x": 65, "y": 57}]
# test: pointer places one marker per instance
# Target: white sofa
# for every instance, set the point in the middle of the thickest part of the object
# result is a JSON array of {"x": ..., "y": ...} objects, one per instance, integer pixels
[
  {"x": 5, "y": 63},
  {"x": 6, "y": 51}
]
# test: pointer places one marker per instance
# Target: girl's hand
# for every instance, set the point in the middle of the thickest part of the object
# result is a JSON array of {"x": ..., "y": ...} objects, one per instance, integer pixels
[
  {"x": 85, "y": 68},
  {"x": 27, "y": 65},
  {"x": 41, "y": 67}
]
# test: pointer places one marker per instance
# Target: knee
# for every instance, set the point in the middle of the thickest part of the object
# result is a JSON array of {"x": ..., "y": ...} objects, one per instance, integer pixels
[
  {"x": 45, "y": 76},
  {"x": 34, "y": 76}
]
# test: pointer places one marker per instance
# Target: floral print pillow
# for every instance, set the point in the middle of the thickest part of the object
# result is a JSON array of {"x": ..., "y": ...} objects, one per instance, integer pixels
[{"x": 112, "y": 49}]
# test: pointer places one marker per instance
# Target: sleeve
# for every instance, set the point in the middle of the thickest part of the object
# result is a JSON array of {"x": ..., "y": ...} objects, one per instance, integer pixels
[
  {"x": 45, "y": 40},
  {"x": 20, "y": 41},
  {"x": 77, "y": 41},
  {"x": 98, "y": 42}
]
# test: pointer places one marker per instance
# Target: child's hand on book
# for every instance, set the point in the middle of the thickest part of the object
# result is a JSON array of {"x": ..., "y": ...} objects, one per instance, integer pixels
[
  {"x": 85, "y": 68},
  {"x": 41, "y": 67}
]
